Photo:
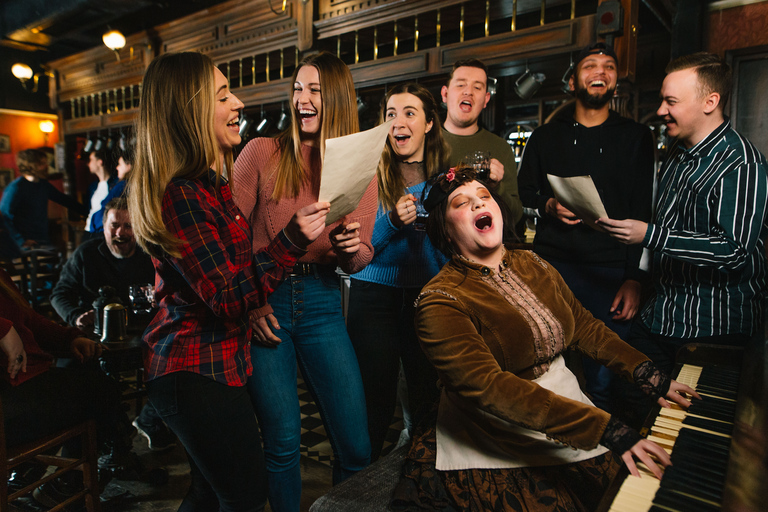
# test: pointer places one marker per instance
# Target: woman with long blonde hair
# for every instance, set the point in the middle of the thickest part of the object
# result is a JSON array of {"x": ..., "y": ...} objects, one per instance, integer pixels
[
  {"x": 196, "y": 355},
  {"x": 303, "y": 321},
  {"x": 380, "y": 320}
]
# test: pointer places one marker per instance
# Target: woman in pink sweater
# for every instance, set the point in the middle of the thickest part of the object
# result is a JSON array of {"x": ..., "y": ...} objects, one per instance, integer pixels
[{"x": 303, "y": 320}]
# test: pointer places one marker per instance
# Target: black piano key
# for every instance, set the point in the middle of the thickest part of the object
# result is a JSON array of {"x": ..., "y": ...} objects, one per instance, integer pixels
[
  {"x": 696, "y": 478},
  {"x": 714, "y": 426},
  {"x": 688, "y": 435},
  {"x": 687, "y": 482},
  {"x": 732, "y": 395},
  {"x": 701, "y": 457},
  {"x": 676, "y": 501},
  {"x": 713, "y": 408},
  {"x": 706, "y": 464},
  {"x": 711, "y": 444},
  {"x": 710, "y": 467}
]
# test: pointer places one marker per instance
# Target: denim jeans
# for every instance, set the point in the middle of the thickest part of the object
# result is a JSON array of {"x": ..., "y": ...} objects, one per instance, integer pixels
[
  {"x": 218, "y": 428},
  {"x": 312, "y": 331},
  {"x": 381, "y": 327},
  {"x": 595, "y": 287}
]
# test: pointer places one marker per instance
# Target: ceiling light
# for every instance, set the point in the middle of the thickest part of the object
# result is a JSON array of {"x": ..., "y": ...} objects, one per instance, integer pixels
[
  {"x": 282, "y": 123},
  {"x": 114, "y": 40},
  {"x": 245, "y": 124},
  {"x": 22, "y": 71},
  {"x": 528, "y": 84}
]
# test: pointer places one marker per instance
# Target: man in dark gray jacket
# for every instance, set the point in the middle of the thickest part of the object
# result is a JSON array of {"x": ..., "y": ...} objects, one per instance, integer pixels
[{"x": 110, "y": 260}]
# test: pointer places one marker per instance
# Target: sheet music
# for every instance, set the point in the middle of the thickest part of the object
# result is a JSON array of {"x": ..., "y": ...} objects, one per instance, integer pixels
[
  {"x": 349, "y": 165},
  {"x": 579, "y": 195}
]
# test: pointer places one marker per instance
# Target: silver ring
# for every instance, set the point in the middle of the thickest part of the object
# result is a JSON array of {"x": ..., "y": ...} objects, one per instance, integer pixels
[{"x": 20, "y": 359}]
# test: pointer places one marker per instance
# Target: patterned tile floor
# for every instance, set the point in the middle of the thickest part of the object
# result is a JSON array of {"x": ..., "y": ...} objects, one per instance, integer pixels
[
  {"x": 140, "y": 496},
  {"x": 314, "y": 440}
]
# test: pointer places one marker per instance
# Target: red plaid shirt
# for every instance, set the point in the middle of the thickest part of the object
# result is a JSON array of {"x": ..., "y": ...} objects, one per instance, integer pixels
[{"x": 204, "y": 296}]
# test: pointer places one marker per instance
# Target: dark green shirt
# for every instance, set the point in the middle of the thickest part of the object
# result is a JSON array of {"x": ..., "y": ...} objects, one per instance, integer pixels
[
  {"x": 708, "y": 239},
  {"x": 483, "y": 140}
]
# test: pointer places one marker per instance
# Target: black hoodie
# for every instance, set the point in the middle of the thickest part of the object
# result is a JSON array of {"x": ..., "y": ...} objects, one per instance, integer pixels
[{"x": 618, "y": 154}]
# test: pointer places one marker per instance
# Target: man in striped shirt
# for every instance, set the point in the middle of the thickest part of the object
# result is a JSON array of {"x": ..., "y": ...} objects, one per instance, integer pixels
[{"x": 709, "y": 229}]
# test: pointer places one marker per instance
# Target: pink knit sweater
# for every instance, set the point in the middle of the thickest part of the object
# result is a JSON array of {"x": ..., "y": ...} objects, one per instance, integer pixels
[{"x": 254, "y": 182}]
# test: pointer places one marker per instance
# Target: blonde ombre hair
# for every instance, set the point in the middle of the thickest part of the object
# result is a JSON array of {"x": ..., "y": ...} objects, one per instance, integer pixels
[
  {"x": 436, "y": 150},
  {"x": 338, "y": 118},
  {"x": 175, "y": 138}
]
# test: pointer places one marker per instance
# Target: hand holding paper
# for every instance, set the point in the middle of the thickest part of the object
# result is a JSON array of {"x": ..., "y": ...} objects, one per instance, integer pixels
[
  {"x": 579, "y": 195},
  {"x": 307, "y": 224},
  {"x": 349, "y": 165},
  {"x": 346, "y": 237}
]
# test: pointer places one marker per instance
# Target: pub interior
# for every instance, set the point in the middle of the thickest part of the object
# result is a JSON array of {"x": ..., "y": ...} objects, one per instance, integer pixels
[{"x": 79, "y": 91}]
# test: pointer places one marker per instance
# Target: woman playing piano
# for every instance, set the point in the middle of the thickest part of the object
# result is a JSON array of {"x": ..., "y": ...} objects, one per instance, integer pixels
[{"x": 513, "y": 431}]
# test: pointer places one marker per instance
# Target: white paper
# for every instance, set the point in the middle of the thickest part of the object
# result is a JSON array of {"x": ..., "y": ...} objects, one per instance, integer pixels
[
  {"x": 579, "y": 195},
  {"x": 349, "y": 165}
]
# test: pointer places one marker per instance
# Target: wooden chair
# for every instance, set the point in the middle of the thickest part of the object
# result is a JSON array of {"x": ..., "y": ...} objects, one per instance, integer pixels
[
  {"x": 87, "y": 463},
  {"x": 36, "y": 272}
]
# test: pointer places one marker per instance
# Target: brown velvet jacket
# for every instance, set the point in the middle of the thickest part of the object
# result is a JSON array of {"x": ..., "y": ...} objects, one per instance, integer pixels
[{"x": 489, "y": 334}]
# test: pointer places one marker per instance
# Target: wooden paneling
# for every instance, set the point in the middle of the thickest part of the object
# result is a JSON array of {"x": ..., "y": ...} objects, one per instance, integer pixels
[
  {"x": 241, "y": 32},
  {"x": 626, "y": 45},
  {"x": 560, "y": 37},
  {"x": 265, "y": 93},
  {"x": 232, "y": 30},
  {"x": 392, "y": 69},
  {"x": 98, "y": 69},
  {"x": 83, "y": 125}
]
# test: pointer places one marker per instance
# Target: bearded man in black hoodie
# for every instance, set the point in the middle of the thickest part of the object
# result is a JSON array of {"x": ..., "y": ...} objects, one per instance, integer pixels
[{"x": 617, "y": 152}]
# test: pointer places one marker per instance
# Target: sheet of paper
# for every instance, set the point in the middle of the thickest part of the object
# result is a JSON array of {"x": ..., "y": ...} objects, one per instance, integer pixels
[
  {"x": 349, "y": 166},
  {"x": 579, "y": 194}
]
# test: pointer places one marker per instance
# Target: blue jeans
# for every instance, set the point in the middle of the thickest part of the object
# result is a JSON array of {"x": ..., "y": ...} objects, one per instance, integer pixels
[
  {"x": 218, "y": 428},
  {"x": 595, "y": 287},
  {"x": 312, "y": 331}
]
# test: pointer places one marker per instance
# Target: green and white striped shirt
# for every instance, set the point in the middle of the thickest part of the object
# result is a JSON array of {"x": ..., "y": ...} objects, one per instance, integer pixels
[{"x": 708, "y": 239}]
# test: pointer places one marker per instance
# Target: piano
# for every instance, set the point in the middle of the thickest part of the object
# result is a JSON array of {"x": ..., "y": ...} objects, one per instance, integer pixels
[{"x": 718, "y": 447}]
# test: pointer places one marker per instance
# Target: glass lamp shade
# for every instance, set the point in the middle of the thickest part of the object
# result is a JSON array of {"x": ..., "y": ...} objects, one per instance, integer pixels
[
  {"x": 46, "y": 126},
  {"x": 21, "y": 71},
  {"x": 114, "y": 40}
]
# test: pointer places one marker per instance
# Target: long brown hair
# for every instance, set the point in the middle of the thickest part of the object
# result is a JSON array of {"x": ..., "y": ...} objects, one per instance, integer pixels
[
  {"x": 338, "y": 118},
  {"x": 175, "y": 139},
  {"x": 436, "y": 151}
]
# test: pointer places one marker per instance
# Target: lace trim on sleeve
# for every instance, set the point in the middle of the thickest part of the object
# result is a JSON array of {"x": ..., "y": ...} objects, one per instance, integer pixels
[
  {"x": 618, "y": 437},
  {"x": 651, "y": 380}
]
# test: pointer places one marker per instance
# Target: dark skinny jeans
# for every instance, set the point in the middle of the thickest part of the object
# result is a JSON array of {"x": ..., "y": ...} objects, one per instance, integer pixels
[{"x": 218, "y": 428}]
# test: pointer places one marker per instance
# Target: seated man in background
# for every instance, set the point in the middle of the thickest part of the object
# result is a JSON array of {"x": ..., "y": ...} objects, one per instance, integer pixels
[
  {"x": 112, "y": 259},
  {"x": 24, "y": 205}
]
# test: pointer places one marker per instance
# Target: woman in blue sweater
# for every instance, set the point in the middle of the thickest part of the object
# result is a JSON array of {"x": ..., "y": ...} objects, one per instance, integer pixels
[{"x": 380, "y": 319}]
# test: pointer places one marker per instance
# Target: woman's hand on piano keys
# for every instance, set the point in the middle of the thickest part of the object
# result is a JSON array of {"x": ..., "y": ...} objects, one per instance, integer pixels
[
  {"x": 675, "y": 394},
  {"x": 643, "y": 450}
]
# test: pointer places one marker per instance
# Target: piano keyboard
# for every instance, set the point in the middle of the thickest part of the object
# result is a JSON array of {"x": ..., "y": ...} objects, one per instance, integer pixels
[{"x": 697, "y": 439}]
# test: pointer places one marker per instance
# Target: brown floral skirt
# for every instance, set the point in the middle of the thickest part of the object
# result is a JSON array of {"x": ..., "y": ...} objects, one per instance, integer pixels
[{"x": 571, "y": 487}]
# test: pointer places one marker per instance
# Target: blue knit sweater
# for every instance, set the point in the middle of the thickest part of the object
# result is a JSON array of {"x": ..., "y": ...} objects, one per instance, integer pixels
[{"x": 404, "y": 257}]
